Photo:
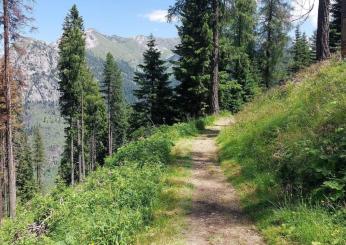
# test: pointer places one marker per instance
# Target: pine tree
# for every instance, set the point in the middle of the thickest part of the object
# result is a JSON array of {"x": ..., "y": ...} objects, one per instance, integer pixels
[
  {"x": 237, "y": 55},
  {"x": 297, "y": 51},
  {"x": 193, "y": 68},
  {"x": 274, "y": 27},
  {"x": 112, "y": 90},
  {"x": 301, "y": 51},
  {"x": 335, "y": 26},
  {"x": 306, "y": 52},
  {"x": 95, "y": 123},
  {"x": 38, "y": 156},
  {"x": 312, "y": 44},
  {"x": 343, "y": 30},
  {"x": 154, "y": 95},
  {"x": 25, "y": 170},
  {"x": 11, "y": 168},
  {"x": 71, "y": 61},
  {"x": 215, "y": 26}
]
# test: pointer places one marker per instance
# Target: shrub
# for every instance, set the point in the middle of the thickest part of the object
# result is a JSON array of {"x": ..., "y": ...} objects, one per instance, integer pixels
[{"x": 110, "y": 207}]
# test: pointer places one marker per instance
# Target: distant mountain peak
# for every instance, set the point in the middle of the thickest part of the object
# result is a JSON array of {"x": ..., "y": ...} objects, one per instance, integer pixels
[
  {"x": 90, "y": 38},
  {"x": 39, "y": 62}
]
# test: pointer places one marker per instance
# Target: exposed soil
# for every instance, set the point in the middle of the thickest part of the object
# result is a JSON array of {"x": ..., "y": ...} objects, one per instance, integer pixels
[{"x": 216, "y": 216}]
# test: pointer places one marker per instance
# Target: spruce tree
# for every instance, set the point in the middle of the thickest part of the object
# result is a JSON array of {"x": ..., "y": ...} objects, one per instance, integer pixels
[
  {"x": 274, "y": 27},
  {"x": 154, "y": 95},
  {"x": 193, "y": 67},
  {"x": 297, "y": 50},
  {"x": 335, "y": 26},
  {"x": 301, "y": 51},
  {"x": 38, "y": 156},
  {"x": 238, "y": 83},
  {"x": 306, "y": 56},
  {"x": 112, "y": 90},
  {"x": 95, "y": 123},
  {"x": 312, "y": 44},
  {"x": 71, "y": 60},
  {"x": 26, "y": 185}
]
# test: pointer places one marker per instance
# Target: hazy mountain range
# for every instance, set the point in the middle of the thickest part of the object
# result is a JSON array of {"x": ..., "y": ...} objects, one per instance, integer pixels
[
  {"x": 39, "y": 62},
  {"x": 41, "y": 96}
]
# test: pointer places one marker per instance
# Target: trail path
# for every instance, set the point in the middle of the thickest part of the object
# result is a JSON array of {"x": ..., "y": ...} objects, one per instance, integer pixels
[{"x": 216, "y": 216}]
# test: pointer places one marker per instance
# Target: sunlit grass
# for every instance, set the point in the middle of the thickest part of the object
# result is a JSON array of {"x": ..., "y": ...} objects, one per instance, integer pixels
[
  {"x": 175, "y": 200},
  {"x": 279, "y": 136}
]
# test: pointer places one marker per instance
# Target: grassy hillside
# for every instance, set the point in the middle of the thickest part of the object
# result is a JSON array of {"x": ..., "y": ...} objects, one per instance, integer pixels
[
  {"x": 286, "y": 155},
  {"x": 112, "y": 206}
]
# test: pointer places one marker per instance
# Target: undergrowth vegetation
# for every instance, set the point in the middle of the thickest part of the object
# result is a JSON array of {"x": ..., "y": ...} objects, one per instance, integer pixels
[
  {"x": 113, "y": 204},
  {"x": 287, "y": 156}
]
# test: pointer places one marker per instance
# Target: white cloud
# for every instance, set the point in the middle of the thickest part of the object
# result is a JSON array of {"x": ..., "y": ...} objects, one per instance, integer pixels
[
  {"x": 157, "y": 16},
  {"x": 302, "y": 7}
]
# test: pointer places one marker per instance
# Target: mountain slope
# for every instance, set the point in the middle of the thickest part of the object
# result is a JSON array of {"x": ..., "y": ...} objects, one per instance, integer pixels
[
  {"x": 40, "y": 94},
  {"x": 286, "y": 156},
  {"x": 39, "y": 62}
]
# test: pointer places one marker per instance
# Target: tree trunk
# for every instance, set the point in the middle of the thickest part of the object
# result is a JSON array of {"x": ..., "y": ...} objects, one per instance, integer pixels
[
  {"x": 2, "y": 179},
  {"x": 5, "y": 177},
  {"x": 71, "y": 155},
  {"x": 9, "y": 136},
  {"x": 215, "y": 109},
  {"x": 38, "y": 175},
  {"x": 268, "y": 54},
  {"x": 110, "y": 140},
  {"x": 79, "y": 151},
  {"x": 322, "y": 42},
  {"x": 343, "y": 29},
  {"x": 93, "y": 151},
  {"x": 82, "y": 139}
]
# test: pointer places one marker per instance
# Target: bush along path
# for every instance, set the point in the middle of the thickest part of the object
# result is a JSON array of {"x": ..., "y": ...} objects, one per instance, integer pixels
[{"x": 215, "y": 216}]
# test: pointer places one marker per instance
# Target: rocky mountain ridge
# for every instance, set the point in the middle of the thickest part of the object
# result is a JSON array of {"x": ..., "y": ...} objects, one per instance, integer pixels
[
  {"x": 38, "y": 64},
  {"x": 39, "y": 61}
]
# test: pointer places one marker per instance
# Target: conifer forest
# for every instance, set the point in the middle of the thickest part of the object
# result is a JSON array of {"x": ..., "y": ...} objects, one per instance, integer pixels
[{"x": 221, "y": 122}]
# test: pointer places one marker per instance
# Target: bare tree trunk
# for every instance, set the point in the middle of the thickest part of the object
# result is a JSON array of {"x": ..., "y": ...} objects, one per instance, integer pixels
[
  {"x": 215, "y": 109},
  {"x": 79, "y": 151},
  {"x": 9, "y": 136},
  {"x": 38, "y": 175},
  {"x": 2, "y": 180},
  {"x": 71, "y": 156},
  {"x": 322, "y": 41},
  {"x": 110, "y": 136},
  {"x": 91, "y": 153},
  {"x": 343, "y": 29},
  {"x": 93, "y": 150},
  {"x": 82, "y": 139},
  {"x": 268, "y": 54},
  {"x": 110, "y": 140},
  {"x": 5, "y": 177}
]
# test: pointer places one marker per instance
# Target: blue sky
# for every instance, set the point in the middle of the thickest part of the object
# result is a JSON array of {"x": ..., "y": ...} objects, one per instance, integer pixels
[{"x": 120, "y": 17}]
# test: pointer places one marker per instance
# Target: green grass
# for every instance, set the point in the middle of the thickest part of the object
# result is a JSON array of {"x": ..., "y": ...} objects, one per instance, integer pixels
[
  {"x": 175, "y": 200},
  {"x": 286, "y": 157},
  {"x": 136, "y": 191}
]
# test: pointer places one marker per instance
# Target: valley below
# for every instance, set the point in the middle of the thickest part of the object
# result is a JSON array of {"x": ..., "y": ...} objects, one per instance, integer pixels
[{"x": 40, "y": 76}]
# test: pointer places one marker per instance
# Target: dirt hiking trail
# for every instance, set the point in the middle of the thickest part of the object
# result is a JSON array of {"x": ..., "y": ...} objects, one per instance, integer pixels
[{"x": 216, "y": 216}]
